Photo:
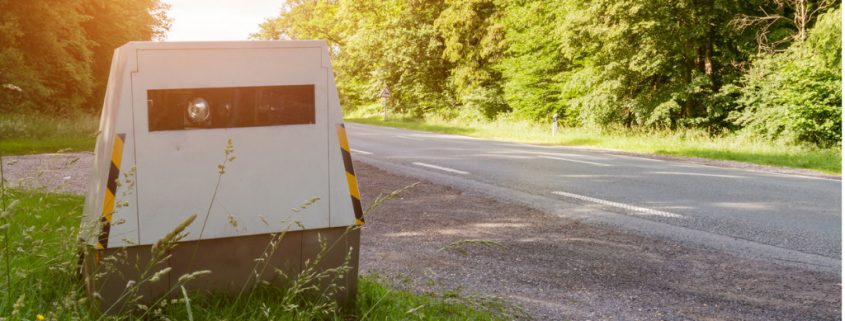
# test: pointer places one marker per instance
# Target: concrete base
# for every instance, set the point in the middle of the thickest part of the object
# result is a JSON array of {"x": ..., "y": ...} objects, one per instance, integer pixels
[{"x": 231, "y": 262}]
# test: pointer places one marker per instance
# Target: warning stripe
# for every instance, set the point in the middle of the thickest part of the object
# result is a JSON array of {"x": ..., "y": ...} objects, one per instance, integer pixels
[
  {"x": 350, "y": 174},
  {"x": 111, "y": 191}
]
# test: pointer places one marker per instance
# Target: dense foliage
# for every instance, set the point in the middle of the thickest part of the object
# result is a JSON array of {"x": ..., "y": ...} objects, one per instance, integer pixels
[
  {"x": 769, "y": 67},
  {"x": 55, "y": 55},
  {"x": 797, "y": 94}
]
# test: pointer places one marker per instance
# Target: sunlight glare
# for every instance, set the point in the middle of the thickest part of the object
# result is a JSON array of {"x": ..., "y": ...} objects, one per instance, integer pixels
[{"x": 218, "y": 19}]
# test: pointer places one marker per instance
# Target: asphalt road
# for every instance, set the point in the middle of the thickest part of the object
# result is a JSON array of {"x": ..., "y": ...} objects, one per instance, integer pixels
[{"x": 790, "y": 218}]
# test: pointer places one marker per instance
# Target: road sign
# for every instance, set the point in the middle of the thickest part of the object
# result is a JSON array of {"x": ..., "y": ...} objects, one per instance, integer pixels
[{"x": 385, "y": 93}]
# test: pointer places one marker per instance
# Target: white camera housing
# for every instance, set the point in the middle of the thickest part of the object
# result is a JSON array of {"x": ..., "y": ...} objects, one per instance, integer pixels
[{"x": 169, "y": 111}]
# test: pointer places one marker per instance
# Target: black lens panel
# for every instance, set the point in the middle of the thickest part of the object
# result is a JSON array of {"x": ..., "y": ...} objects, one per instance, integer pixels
[{"x": 232, "y": 107}]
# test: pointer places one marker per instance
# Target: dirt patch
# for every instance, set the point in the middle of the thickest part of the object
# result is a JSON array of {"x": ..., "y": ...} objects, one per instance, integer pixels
[{"x": 559, "y": 269}]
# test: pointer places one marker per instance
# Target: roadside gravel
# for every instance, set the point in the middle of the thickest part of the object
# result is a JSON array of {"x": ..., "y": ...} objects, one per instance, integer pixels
[
  {"x": 62, "y": 173},
  {"x": 554, "y": 268},
  {"x": 559, "y": 269}
]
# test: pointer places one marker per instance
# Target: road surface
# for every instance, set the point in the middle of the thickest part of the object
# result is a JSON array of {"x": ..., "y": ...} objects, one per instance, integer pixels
[{"x": 789, "y": 218}]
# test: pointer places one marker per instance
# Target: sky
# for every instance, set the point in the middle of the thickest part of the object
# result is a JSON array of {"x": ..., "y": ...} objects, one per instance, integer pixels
[{"x": 218, "y": 19}]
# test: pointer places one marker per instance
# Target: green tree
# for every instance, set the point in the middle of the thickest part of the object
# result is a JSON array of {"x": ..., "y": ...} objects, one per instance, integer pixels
[
  {"x": 375, "y": 43},
  {"x": 304, "y": 19},
  {"x": 652, "y": 63},
  {"x": 55, "y": 55},
  {"x": 796, "y": 95},
  {"x": 533, "y": 64},
  {"x": 473, "y": 36},
  {"x": 611, "y": 63},
  {"x": 45, "y": 54},
  {"x": 112, "y": 23}
]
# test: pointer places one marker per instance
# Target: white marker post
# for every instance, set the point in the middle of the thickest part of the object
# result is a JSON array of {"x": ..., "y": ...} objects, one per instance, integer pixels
[{"x": 554, "y": 125}]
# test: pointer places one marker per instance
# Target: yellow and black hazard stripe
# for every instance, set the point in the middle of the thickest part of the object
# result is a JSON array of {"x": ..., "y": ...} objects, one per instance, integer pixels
[
  {"x": 350, "y": 174},
  {"x": 111, "y": 191}
]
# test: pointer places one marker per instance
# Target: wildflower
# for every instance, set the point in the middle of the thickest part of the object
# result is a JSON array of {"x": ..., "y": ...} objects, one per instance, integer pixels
[{"x": 39, "y": 317}]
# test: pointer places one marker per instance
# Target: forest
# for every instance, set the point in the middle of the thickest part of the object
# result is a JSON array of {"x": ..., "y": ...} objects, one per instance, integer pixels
[
  {"x": 766, "y": 68},
  {"x": 55, "y": 55},
  {"x": 770, "y": 69}
]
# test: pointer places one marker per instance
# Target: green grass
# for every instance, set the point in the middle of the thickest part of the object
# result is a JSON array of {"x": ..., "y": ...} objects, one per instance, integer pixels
[
  {"x": 687, "y": 143},
  {"x": 34, "y": 133},
  {"x": 38, "y": 276}
]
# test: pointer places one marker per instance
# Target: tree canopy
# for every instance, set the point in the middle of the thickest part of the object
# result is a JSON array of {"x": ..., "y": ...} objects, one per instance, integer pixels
[
  {"x": 723, "y": 65},
  {"x": 55, "y": 55},
  {"x": 770, "y": 68}
]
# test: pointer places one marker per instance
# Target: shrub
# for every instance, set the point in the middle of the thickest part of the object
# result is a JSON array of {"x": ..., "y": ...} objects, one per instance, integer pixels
[{"x": 796, "y": 95}]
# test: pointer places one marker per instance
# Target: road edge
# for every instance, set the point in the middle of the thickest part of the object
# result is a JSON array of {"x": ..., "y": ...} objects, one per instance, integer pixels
[
  {"x": 593, "y": 215},
  {"x": 684, "y": 159}
]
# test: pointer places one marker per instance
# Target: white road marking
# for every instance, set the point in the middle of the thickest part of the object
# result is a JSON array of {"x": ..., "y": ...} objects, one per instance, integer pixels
[
  {"x": 446, "y": 169},
  {"x": 745, "y": 205},
  {"x": 360, "y": 151},
  {"x": 409, "y": 138},
  {"x": 641, "y": 210},
  {"x": 638, "y": 158},
  {"x": 761, "y": 172},
  {"x": 444, "y": 136},
  {"x": 592, "y": 176},
  {"x": 560, "y": 155},
  {"x": 574, "y": 160},
  {"x": 799, "y": 176},
  {"x": 698, "y": 174},
  {"x": 504, "y": 156}
]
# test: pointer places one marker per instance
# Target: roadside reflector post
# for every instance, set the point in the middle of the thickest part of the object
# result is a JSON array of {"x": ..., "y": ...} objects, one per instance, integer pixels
[
  {"x": 554, "y": 125},
  {"x": 242, "y": 144}
]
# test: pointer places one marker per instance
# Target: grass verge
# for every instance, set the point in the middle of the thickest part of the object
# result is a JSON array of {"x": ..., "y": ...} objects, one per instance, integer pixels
[
  {"x": 38, "y": 278},
  {"x": 34, "y": 133},
  {"x": 686, "y": 143}
]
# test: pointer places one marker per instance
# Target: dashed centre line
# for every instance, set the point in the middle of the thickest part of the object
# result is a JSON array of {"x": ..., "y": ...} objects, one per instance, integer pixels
[
  {"x": 698, "y": 174},
  {"x": 639, "y": 158},
  {"x": 409, "y": 138},
  {"x": 445, "y": 169},
  {"x": 641, "y": 210},
  {"x": 574, "y": 160}
]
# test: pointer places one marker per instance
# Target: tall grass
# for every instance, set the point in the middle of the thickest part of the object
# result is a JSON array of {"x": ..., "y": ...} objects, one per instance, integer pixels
[
  {"x": 685, "y": 142},
  {"x": 41, "y": 277},
  {"x": 36, "y": 133},
  {"x": 41, "y": 234}
]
